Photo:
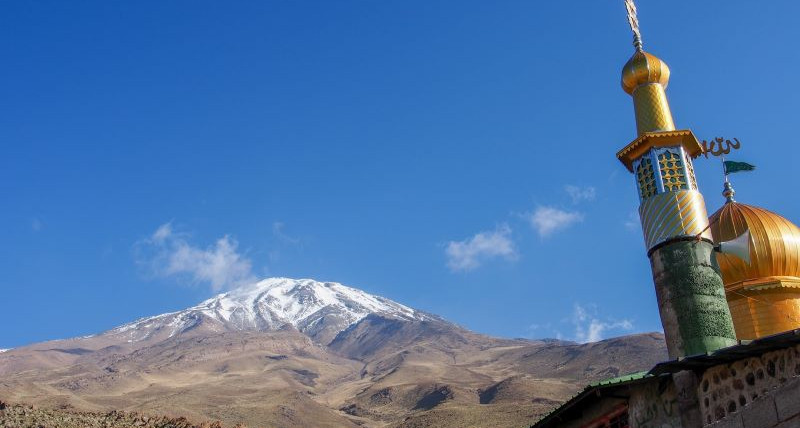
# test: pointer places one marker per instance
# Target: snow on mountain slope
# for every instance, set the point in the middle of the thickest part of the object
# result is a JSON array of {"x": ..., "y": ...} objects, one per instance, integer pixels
[{"x": 319, "y": 309}]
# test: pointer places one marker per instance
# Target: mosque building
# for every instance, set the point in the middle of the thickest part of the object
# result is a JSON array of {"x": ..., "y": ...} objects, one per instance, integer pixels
[{"x": 728, "y": 289}]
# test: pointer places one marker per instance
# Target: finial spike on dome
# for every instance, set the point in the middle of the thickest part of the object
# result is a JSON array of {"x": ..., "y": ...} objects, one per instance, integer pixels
[
  {"x": 633, "y": 21},
  {"x": 728, "y": 191}
]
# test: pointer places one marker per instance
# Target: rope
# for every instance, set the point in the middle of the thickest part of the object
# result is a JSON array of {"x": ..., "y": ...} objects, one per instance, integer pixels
[{"x": 699, "y": 235}]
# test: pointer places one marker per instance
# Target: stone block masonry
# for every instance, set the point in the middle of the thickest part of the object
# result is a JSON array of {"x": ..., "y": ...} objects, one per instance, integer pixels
[{"x": 758, "y": 392}]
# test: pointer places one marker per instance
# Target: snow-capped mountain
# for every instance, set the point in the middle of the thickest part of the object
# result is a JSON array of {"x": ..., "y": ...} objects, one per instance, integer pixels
[
  {"x": 300, "y": 353},
  {"x": 319, "y": 309}
]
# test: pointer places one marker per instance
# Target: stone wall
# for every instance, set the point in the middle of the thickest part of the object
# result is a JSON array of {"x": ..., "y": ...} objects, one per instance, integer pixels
[
  {"x": 654, "y": 405},
  {"x": 735, "y": 392},
  {"x": 778, "y": 408}
]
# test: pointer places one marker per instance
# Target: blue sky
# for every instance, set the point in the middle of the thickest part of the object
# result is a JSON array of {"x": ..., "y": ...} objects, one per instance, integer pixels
[{"x": 419, "y": 150}]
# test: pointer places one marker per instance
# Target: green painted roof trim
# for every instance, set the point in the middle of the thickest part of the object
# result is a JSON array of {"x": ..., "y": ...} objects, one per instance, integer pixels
[
  {"x": 620, "y": 379},
  {"x": 589, "y": 389}
]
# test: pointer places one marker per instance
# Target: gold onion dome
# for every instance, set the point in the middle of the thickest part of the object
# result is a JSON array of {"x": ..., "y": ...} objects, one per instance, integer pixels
[
  {"x": 645, "y": 78},
  {"x": 763, "y": 295},
  {"x": 644, "y": 68}
]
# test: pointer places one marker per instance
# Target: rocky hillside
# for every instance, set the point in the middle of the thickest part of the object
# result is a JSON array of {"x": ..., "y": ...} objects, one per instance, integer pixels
[
  {"x": 16, "y": 416},
  {"x": 299, "y": 353}
]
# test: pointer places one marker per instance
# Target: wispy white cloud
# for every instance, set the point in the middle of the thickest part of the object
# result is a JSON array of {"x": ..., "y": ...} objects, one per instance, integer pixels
[
  {"x": 167, "y": 253},
  {"x": 36, "y": 225},
  {"x": 632, "y": 222},
  {"x": 580, "y": 194},
  {"x": 589, "y": 328},
  {"x": 536, "y": 330},
  {"x": 548, "y": 220},
  {"x": 278, "y": 230},
  {"x": 470, "y": 253},
  {"x": 161, "y": 234}
]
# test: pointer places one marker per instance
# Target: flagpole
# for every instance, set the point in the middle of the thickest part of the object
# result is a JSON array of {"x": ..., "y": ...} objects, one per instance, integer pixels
[
  {"x": 724, "y": 171},
  {"x": 727, "y": 190}
]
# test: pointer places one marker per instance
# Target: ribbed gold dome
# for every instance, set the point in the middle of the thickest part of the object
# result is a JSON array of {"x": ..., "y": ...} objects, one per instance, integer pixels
[
  {"x": 775, "y": 244},
  {"x": 764, "y": 295},
  {"x": 644, "y": 68}
]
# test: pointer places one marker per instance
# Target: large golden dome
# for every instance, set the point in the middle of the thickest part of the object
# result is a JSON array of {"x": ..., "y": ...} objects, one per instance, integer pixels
[
  {"x": 774, "y": 245},
  {"x": 644, "y": 68},
  {"x": 764, "y": 295}
]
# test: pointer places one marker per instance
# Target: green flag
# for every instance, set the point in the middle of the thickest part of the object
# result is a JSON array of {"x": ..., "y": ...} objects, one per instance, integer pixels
[{"x": 731, "y": 167}]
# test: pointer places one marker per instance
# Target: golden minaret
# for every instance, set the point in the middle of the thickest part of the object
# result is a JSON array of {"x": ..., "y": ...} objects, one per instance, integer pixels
[{"x": 690, "y": 292}]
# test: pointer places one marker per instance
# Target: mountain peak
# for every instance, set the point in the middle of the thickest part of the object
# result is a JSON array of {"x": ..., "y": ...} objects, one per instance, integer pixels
[
  {"x": 319, "y": 309},
  {"x": 296, "y": 301}
]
